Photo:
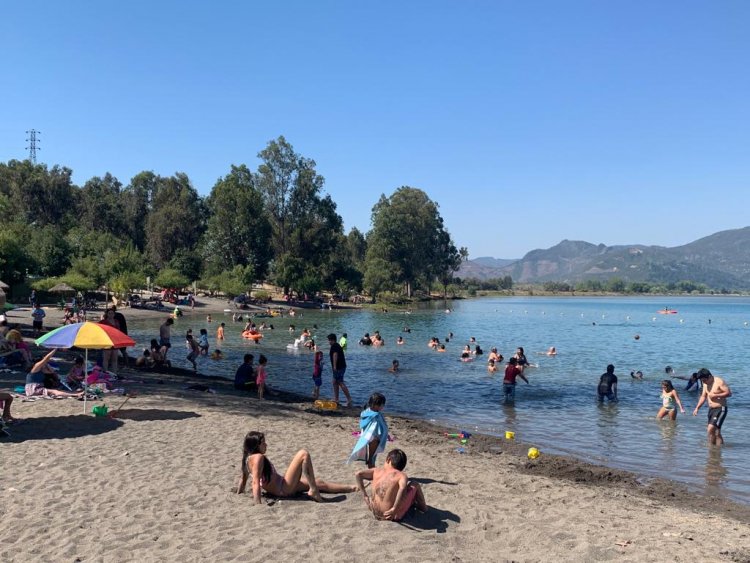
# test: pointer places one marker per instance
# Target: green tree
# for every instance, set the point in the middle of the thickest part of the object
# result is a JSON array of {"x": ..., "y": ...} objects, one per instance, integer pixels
[
  {"x": 14, "y": 257},
  {"x": 124, "y": 262},
  {"x": 287, "y": 270},
  {"x": 136, "y": 201},
  {"x": 79, "y": 282},
  {"x": 89, "y": 267},
  {"x": 239, "y": 232},
  {"x": 304, "y": 223},
  {"x": 281, "y": 176},
  {"x": 616, "y": 285},
  {"x": 237, "y": 280},
  {"x": 408, "y": 233},
  {"x": 99, "y": 206},
  {"x": 187, "y": 262},
  {"x": 123, "y": 284},
  {"x": 171, "y": 278},
  {"x": 175, "y": 221},
  {"x": 84, "y": 241},
  {"x": 49, "y": 251},
  {"x": 36, "y": 194},
  {"x": 380, "y": 276},
  {"x": 356, "y": 246}
]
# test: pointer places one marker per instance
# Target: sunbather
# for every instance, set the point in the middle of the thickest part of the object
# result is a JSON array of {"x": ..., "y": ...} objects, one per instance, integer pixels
[
  {"x": 299, "y": 476},
  {"x": 35, "y": 381}
]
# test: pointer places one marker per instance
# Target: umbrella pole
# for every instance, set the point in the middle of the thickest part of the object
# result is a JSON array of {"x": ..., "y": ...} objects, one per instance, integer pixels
[{"x": 85, "y": 379}]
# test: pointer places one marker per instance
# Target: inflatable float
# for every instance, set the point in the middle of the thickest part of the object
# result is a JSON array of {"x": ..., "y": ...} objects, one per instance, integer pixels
[{"x": 250, "y": 335}]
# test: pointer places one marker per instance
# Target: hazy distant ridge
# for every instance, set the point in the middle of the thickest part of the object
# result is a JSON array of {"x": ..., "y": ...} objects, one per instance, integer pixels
[{"x": 721, "y": 260}]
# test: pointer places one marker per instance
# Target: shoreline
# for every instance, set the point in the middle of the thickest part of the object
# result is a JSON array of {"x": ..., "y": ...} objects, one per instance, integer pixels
[
  {"x": 555, "y": 466},
  {"x": 161, "y": 476},
  {"x": 563, "y": 466}
]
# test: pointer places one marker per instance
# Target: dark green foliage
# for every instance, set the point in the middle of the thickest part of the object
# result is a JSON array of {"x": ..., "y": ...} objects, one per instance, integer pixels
[
  {"x": 408, "y": 245},
  {"x": 176, "y": 219},
  {"x": 239, "y": 232},
  {"x": 36, "y": 195}
]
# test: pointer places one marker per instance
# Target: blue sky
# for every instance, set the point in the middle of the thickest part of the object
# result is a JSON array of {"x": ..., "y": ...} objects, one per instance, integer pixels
[{"x": 613, "y": 122}]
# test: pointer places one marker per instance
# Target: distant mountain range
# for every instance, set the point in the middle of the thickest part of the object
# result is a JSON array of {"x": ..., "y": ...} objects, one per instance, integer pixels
[{"x": 721, "y": 261}]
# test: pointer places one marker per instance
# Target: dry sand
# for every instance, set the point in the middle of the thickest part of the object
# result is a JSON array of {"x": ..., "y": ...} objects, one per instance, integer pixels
[{"x": 155, "y": 484}]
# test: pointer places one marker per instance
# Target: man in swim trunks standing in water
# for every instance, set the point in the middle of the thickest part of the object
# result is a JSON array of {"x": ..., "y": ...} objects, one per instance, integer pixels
[
  {"x": 338, "y": 367},
  {"x": 716, "y": 391}
]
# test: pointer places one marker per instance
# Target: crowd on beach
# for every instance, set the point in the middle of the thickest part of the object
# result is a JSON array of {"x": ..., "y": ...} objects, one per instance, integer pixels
[{"x": 392, "y": 493}]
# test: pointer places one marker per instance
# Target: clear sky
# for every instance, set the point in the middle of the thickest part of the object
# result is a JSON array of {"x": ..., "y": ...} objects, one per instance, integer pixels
[{"x": 614, "y": 122}]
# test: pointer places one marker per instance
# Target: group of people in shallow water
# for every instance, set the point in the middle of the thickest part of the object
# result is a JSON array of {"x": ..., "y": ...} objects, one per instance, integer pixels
[{"x": 713, "y": 390}]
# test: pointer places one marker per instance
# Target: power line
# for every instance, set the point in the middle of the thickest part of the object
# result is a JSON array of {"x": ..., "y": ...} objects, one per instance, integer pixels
[{"x": 33, "y": 141}]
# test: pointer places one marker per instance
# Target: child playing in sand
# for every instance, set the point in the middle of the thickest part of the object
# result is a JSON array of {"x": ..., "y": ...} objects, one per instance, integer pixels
[
  {"x": 260, "y": 375},
  {"x": 669, "y": 397},
  {"x": 374, "y": 432},
  {"x": 393, "y": 494},
  {"x": 317, "y": 373}
]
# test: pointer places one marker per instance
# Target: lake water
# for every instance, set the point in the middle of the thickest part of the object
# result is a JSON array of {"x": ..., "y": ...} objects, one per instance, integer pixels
[{"x": 558, "y": 411}]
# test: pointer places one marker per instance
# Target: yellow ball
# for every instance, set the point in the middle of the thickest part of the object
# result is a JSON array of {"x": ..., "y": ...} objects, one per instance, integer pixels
[{"x": 533, "y": 453}]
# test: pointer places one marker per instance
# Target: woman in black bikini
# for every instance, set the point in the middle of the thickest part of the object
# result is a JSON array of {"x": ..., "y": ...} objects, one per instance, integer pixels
[{"x": 299, "y": 476}]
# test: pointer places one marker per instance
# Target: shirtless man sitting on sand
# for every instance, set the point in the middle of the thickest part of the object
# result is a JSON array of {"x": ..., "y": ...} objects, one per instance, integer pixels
[
  {"x": 392, "y": 493},
  {"x": 716, "y": 391}
]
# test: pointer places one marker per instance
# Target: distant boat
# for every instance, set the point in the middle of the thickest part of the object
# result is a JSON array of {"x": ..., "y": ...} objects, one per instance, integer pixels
[{"x": 667, "y": 311}]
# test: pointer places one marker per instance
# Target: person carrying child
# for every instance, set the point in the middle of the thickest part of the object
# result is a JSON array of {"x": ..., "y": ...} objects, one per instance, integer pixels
[
  {"x": 374, "y": 432},
  {"x": 317, "y": 374},
  {"x": 393, "y": 495}
]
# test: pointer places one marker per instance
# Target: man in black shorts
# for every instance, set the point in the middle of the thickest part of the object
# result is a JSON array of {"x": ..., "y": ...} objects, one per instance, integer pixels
[
  {"x": 608, "y": 385},
  {"x": 716, "y": 392},
  {"x": 338, "y": 367}
]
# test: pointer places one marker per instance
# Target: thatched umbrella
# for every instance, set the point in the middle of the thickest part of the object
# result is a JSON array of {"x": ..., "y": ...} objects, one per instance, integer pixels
[{"x": 62, "y": 288}]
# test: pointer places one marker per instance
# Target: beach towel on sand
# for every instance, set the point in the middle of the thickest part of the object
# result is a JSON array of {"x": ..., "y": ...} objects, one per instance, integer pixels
[{"x": 373, "y": 426}]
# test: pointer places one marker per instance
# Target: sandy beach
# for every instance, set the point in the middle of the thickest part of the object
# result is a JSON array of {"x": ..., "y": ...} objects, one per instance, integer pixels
[{"x": 155, "y": 483}]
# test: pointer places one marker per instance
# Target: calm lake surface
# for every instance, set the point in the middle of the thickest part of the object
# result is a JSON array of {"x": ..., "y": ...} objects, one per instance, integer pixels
[{"x": 558, "y": 412}]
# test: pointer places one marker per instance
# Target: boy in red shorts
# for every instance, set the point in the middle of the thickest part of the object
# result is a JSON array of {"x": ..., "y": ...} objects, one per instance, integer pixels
[{"x": 393, "y": 494}]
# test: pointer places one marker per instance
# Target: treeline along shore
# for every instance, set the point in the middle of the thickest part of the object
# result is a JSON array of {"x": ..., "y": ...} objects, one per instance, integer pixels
[{"x": 272, "y": 224}]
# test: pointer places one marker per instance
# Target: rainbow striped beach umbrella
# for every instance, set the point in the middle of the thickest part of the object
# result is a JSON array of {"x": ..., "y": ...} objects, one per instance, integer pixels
[{"x": 87, "y": 336}]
